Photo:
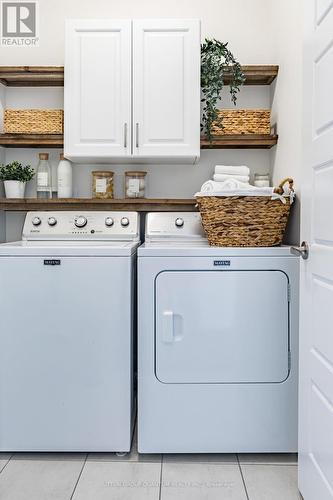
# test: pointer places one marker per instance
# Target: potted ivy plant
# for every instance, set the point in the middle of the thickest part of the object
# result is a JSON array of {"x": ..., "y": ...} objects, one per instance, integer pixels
[
  {"x": 217, "y": 63},
  {"x": 15, "y": 177}
]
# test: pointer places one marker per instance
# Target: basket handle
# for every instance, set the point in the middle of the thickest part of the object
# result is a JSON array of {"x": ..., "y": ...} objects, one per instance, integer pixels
[{"x": 279, "y": 190}]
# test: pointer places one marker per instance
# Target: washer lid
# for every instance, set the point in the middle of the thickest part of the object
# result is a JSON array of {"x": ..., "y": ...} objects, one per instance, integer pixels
[{"x": 69, "y": 248}]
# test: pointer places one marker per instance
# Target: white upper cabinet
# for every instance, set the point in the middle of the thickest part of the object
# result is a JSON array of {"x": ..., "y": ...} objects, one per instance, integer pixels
[
  {"x": 97, "y": 89},
  {"x": 132, "y": 90},
  {"x": 166, "y": 87}
]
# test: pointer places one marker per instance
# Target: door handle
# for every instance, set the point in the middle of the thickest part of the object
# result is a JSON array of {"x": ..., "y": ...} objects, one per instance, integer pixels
[
  {"x": 167, "y": 328},
  {"x": 302, "y": 251},
  {"x": 125, "y": 135},
  {"x": 137, "y": 134}
]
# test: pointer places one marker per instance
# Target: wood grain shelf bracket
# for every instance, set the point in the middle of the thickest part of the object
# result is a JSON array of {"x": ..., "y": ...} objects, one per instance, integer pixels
[{"x": 138, "y": 205}]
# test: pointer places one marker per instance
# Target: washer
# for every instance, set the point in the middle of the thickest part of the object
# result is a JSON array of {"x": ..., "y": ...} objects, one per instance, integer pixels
[
  {"x": 66, "y": 308},
  {"x": 218, "y": 343}
]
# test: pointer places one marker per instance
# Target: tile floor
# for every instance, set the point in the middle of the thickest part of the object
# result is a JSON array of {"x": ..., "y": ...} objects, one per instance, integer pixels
[{"x": 105, "y": 476}]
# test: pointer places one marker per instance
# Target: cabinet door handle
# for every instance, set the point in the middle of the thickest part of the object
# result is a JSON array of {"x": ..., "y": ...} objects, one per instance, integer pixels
[
  {"x": 137, "y": 134},
  {"x": 125, "y": 135}
]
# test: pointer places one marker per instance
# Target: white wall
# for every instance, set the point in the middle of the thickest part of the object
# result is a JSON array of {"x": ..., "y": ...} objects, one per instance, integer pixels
[
  {"x": 255, "y": 36},
  {"x": 287, "y": 99}
]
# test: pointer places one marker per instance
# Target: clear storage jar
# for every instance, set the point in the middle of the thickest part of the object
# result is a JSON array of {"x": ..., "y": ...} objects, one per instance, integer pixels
[
  {"x": 135, "y": 184},
  {"x": 261, "y": 180},
  {"x": 102, "y": 184}
]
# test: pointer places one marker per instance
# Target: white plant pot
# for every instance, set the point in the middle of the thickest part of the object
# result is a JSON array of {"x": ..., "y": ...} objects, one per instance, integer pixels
[{"x": 14, "y": 189}]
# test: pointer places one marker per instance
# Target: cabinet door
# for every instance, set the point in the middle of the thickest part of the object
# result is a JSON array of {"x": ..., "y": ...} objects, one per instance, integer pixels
[
  {"x": 98, "y": 88},
  {"x": 166, "y": 93}
]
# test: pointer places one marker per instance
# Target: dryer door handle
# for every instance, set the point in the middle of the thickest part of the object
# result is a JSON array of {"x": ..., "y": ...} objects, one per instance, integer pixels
[{"x": 168, "y": 327}]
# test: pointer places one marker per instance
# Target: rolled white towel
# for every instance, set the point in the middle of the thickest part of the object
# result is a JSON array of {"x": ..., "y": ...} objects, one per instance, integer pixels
[
  {"x": 228, "y": 185},
  {"x": 210, "y": 186},
  {"x": 226, "y": 177},
  {"x": 232, "y": 170}
]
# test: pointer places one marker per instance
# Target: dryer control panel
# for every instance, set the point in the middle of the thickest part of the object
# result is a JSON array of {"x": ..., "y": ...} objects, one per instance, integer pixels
[
  {"x": 118, "y": 226},
  {"x": 174, "y": 226}
]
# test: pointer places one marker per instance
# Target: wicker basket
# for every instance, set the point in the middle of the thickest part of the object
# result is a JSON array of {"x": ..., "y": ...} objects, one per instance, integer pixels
[
  {"x": 245, "y": 221},
  {"x": 33, "y": 121},
  {"x": 243, "y": 121}
]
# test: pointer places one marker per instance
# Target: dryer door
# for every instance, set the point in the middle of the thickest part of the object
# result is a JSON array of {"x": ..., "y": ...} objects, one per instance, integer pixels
[{"x": 222, "y": 327}]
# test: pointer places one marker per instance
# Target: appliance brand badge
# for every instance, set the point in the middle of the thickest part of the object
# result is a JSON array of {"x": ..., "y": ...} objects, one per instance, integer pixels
[
  {"x": 225, "y": 263},
  {"x": 52, "y": 262},
  {"x": 19, "y": 23}
]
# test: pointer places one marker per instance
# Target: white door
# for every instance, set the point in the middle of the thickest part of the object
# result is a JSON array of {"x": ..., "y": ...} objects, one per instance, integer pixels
[
  {"x": 316, "y": 333},
  {"x": 98, "y": 88},
  {"x": 219, "y": 339},
  {"x": 166, "y": 87}
]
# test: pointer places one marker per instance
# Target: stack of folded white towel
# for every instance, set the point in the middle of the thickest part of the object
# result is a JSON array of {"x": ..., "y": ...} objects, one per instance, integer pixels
[
  {"x": 228, "y": 177},
  {"x": 225, "y": 173}
]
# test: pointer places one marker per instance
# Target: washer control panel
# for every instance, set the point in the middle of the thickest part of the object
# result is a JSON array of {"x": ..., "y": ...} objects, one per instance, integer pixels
[{"x": 81, "y": 226}]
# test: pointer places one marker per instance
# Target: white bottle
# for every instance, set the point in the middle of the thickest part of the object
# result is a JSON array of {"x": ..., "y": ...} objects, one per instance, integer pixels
[{"x": 65, "y": 178}]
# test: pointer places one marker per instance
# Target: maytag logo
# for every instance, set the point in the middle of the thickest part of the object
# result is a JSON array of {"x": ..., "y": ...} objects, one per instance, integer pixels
[
  {"x": 225, "y": 263},
  {"x": 52, "y": 262},
  {"x": 19, "y": 24}
]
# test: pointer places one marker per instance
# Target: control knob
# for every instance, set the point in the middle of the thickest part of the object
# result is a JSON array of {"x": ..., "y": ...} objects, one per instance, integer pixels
[
  {"x": 125, "y": 221},
  {"x": 36, "y": 221},
  {"x": 80, "y": 221},
  {"x": 52, "y": 221},
  {"x": 109, "y": 221},
  {"x": 179, "y": 222}
]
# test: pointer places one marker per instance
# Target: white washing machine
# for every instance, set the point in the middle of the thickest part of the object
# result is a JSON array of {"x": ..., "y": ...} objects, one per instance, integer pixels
[
  {"x": 218, "y": 343},
  {"x": 66, "y": 311}
]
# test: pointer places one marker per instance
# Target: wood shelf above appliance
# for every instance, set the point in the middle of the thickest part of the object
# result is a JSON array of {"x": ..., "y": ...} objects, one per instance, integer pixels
[
  {"x": 257, "y": 75},
  {"x": 135, "y": 204},
  {"x": 32, "y": 76},
  {"x": 53, "y": 76},
  {"x": 246, "y": 141},
  {"x": 31, "y": 140}
]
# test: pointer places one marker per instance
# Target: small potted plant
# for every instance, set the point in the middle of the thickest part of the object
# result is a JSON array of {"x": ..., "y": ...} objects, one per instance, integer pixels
[{"x": 15, "y": 176}]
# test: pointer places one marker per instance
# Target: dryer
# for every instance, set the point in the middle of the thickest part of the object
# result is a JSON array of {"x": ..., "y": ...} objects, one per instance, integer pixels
[{"x": 218, "y": 343}]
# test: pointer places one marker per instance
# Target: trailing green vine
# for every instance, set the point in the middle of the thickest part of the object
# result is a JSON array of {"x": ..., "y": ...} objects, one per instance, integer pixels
[{"x": 216, "y": 62}]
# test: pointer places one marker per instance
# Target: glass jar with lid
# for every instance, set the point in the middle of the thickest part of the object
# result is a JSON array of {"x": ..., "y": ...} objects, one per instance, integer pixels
[
  {"x": 102, "y": 184},
  {"x": 261, "y": 180},
  {"x": 135, "y": 184}
]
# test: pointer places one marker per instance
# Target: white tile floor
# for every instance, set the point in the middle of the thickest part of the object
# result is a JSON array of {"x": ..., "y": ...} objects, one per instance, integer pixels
[{"x": 105, "y": 476}]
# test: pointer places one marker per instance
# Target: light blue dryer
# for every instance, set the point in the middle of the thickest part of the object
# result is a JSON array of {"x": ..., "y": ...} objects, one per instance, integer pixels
[{"x": 218, "y": 343}]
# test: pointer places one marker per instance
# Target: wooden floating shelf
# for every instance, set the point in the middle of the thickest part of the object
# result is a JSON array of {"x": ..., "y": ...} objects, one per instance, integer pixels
[
  {"x": 135, "y": 204},
  {"x": 31, "y": 140},
  {"x": 32, "y": 76},
  {"x": 257, "y": 75},
  {"x": 250, "y": 141},
  {"x": 53, "y": 76},
  {"x": 245, "y": 141}
]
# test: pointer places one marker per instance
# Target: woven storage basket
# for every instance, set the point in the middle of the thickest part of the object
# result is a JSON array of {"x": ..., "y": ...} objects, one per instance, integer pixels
[
  {"x": 243, "y": 121},
  {"x": 245, "y": 221},
  {"x": 33, "y": 121}
]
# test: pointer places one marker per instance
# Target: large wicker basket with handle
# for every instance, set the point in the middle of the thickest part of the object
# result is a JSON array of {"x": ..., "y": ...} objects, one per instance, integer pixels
[{"x": 246, "y": 221}]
